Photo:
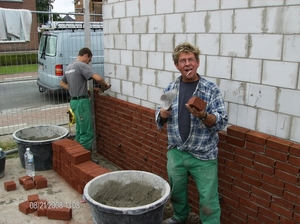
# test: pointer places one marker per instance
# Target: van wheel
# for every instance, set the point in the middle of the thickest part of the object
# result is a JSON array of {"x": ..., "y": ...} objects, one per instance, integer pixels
[{"x": 41, "y": 89}]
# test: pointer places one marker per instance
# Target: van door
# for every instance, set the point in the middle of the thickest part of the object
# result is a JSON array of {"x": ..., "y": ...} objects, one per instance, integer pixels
[{"x": 49, "y": 71}]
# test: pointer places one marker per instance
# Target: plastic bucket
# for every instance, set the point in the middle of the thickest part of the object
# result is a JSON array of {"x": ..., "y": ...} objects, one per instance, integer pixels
[
  {"x": 39, "y": 139},
  {"x": 2, "y": 163},
  {"x": 147, "y": 214}
]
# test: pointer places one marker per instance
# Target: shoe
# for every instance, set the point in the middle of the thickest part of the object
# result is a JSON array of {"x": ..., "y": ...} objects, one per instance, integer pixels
[{"x": 172, "y": 220}]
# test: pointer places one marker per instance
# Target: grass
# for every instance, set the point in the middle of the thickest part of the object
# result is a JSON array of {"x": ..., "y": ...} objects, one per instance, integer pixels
[
  {"x": 13, "y": 69},
  {"x": 8, "y": 145}
]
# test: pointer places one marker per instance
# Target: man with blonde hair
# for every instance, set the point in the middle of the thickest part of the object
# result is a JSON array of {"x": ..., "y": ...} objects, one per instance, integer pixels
[{"x": 192, "y": 137}]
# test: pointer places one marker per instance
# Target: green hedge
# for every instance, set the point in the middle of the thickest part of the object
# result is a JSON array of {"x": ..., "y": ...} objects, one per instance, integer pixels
[{"x": 18, "y": 59}]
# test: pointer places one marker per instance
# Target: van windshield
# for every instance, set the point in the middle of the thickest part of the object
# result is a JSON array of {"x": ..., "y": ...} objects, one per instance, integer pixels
[{"x": 48, "y": 45}]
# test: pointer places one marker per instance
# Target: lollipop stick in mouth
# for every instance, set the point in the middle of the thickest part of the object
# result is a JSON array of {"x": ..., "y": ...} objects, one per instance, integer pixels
[{"x": 189, "y": 72}]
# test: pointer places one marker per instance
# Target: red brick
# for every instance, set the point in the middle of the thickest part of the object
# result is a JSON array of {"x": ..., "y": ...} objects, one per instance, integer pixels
[
  {"x": 82, "y": 169},
  {"x": 69, "y": 150},
  {"x": 41, "y": 183},
  {"x": 264, "y": 159},
  {"x": 33, "y": 197},
  {"x": 56, "y": 146},
  {"x": 26, "y": 207},
  {"x": 36, "y": 178},
  {"x": 272, "y": 189},
  {"x": 64, "y": 149},
  {"x": 276, "y": 154},
  {"x": 241, "y": 184},
  {"x": 294, "y": 160},
  {"x": 59, "y": 213},
  {"x": 287, "y": 221},
  {"x": 286, "y": 176},
  {"x": 244, "y": 152},
  {"x": 294, "y": 170},
  {"x": 235, "y": 141},
  {"x": 253, "y": 147},
  {"x": 295, "y": 198},
  {"x": 197, "y": 102},
  {"x": 263, "y": 168},
  {"x": 28, "y": 184},
  {"x": 24, "y": 178},
  {"x": 271, "y": 215},
  {"x": 97, "y": 172},
  {"x": 222, "y": 135},
  {"x": 237, "y": 131},
  {"x": 273, "y": 181},
  {"x": 279, "y": 144},
  {"x": 257, "y": 137},
  {"x": 10, "y": 185},
  {"x": 250, "y": 180},
  {"x": 42, "y": 208},
  {"x": 225, "y": 154},
  {"x": 264, "y": 194},
  {"x": 240, "y": 191},
  {"x": 259, "y": 200},
  {"x": 80, "y": 157},
  {"x": 293, "y": 188},
  {"x": 281, "y": 210},
  {"x": 244, "y": 161},
  {"x": 295, "y": 149},
  {"x": 283, "y": 202}
]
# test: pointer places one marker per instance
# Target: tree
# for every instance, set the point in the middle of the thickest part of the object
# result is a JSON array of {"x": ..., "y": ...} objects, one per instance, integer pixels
[{"x": 44, "y": 6}]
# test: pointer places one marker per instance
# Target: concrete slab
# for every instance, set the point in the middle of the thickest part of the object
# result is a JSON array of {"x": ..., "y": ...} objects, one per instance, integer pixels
[{"x": 58, "y": 191}]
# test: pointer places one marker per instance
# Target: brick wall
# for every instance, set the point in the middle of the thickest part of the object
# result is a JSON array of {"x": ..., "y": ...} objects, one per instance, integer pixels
[{"x": 258, "y": 173}]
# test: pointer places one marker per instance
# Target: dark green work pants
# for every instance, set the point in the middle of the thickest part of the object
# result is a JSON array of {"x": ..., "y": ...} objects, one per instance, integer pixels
[{"x": 205, "y": 173}]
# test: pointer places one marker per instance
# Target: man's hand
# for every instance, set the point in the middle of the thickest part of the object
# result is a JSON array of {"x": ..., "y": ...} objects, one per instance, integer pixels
[
  {"x": 164, "y": 113},
  {"x": 106, "y": 86},
  {"x": 195, "y": 112}
]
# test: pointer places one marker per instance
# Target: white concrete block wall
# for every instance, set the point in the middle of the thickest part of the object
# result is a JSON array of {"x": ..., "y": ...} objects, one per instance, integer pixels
[{"x": 250, "y": 49}]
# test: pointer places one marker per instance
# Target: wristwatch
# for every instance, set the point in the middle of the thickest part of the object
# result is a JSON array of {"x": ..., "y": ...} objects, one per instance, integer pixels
[{"x": 203, "y": 118}]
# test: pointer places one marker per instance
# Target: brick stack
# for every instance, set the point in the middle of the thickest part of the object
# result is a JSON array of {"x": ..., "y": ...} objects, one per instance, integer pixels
[
  {"x": 73, "y": 162},
  {"x": 37, "y": 182},
  {"x": 43, "y": 208}
]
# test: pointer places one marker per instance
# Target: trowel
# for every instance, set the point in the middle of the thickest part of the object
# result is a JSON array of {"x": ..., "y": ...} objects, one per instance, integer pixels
[{"x": 167, "y": 99}]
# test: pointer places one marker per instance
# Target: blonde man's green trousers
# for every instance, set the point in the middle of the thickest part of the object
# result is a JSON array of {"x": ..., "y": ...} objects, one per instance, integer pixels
[{"x": 180, "y": 165}]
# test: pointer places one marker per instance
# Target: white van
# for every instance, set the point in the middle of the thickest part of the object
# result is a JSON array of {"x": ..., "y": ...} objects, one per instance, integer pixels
[{"x": 59, "y": 46}]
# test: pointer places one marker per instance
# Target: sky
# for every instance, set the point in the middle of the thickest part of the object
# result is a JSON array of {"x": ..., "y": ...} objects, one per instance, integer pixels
[{"x": 63, "y": 6}]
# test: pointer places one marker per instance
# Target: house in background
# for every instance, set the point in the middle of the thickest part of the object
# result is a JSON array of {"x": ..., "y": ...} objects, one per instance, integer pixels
[
  {"x": 95, "y": 8},
  {"x": 20, "y": 44}
]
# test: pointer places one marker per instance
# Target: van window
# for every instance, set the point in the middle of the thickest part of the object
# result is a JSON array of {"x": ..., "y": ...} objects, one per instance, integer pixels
[
  {"x": 42, "y": 43},
  {"x": 48, "y": 45},
  {"x": 51, "y": 46}
]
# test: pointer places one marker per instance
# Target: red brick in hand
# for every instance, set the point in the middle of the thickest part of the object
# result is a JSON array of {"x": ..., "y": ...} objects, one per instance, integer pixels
[
  {"x": 10, "y": 185},
  {"x": 197, "y": 102}
]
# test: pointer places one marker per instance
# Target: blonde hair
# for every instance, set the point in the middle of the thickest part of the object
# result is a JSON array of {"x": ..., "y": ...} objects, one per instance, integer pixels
[{"x": 185, "y": 47}]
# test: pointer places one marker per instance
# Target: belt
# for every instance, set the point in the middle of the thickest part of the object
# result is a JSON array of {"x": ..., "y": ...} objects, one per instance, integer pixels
[{"x": 80, "y": 97}]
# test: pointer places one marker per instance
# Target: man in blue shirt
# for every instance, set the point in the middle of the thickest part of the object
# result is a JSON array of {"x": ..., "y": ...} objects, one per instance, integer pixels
[{"x": 193, "y": 138}]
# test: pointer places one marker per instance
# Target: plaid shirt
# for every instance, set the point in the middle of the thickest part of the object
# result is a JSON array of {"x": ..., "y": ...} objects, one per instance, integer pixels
[{"x": 202, "y": 141}]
